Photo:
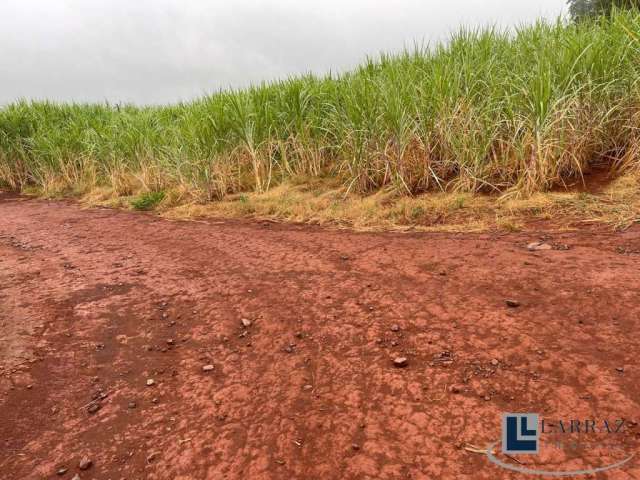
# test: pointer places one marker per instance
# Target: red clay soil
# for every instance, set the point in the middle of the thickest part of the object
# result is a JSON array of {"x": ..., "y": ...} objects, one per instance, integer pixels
[{"x": 96, "y": 303}]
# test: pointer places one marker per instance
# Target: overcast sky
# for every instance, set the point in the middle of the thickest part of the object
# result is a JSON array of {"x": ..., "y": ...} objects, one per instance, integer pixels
[{"x": 156, "y": 51}]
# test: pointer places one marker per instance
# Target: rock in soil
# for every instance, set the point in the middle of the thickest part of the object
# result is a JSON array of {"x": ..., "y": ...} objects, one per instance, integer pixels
[
  {"x": 538, "y": 246},
  {"x": 512, "y": 303},
  {"x": 85, "y": 463},
  {"x": 207, "y": 368},
  {"x": 151, "y": 382},
  {"x": 401, "y": 362},
  {"x": 246, "y": 323}
]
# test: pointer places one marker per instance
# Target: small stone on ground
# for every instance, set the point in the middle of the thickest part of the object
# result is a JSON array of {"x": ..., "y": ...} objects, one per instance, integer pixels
[{"x": 401, "y": 362}]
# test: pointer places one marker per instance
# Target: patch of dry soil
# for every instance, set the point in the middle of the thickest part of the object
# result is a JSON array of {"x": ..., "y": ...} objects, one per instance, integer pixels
[{"x": 95, "y": 303}]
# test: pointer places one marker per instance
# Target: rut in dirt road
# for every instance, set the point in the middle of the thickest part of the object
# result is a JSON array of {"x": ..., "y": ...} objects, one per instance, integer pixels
[{"x": 245, "y": 349}]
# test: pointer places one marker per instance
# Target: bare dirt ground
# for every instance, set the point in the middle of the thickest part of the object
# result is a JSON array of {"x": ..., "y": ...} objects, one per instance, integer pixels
[{"x": 97, "y": 304}]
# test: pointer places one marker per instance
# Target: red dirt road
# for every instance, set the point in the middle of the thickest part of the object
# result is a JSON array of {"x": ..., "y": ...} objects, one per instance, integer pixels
[{"x": 94, "y": 303}]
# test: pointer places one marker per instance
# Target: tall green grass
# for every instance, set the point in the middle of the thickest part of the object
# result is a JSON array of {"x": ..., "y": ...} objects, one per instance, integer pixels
[{"x": 489, "y": 110}]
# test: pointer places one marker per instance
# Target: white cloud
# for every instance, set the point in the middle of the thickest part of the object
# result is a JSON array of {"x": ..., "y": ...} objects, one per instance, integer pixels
[{"x": 166, "y": 50}]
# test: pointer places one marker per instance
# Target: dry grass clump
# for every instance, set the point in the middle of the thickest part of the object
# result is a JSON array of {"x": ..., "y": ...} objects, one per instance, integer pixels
[{"x": 617, "y": 205}]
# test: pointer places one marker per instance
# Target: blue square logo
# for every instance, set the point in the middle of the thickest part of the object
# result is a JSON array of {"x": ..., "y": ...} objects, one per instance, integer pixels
[{"x": 520, "y": 434}]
